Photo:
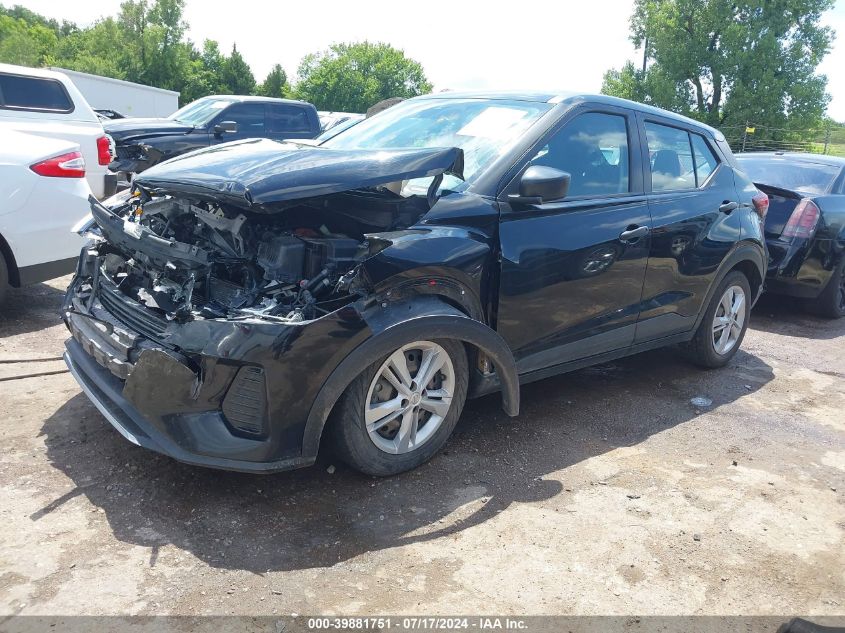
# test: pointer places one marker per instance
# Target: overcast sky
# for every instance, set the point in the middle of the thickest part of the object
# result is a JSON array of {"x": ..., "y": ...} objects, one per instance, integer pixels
[{"x": 461, "y": 44}]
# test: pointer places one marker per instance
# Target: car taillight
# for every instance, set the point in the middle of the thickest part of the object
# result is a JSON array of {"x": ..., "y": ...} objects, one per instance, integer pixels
[
  {"x": 104, "y": 156},
  {"x": 761, "y": 204},
  {"x": 803, "y": 221},
  {"x": 70, "y": 165}
]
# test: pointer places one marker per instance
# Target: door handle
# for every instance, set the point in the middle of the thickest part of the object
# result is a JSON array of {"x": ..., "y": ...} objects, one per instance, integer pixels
[
  {"x": 727, "y": 207},
  {"x": 633, "y": 234}
]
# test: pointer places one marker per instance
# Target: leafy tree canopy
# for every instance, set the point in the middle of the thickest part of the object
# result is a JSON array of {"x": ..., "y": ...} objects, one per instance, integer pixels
[
  {"x": 350, "y": 77},
  {"x": 235, "y": 75},
  {"x": 729, "y": 62},
  {"x": 276, "y": 83},
  {"x": 145, "y": 42}
]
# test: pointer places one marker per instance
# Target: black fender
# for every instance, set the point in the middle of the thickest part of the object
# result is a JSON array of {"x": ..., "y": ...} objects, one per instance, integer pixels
[
  {"x": 395, "y": 324},
  {"x": 744, "y": 252},
  {"x": 438, "y": 260}
]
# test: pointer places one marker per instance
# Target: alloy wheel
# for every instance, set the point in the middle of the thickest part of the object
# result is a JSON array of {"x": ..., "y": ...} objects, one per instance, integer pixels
[
  {"x": 409, "y": 397},
  {"x": 729, "y": 320}
]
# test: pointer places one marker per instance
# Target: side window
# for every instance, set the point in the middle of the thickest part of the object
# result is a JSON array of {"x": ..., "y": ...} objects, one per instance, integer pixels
[
  {"x": 286, "y": 118},
  {"x": 593, "y": 149},
  {"x": 671, "y": 158},
  {"x": 34, "y": 93},
  {"x": 705, "y": 161},
  {"x": 248, "y": 116}
]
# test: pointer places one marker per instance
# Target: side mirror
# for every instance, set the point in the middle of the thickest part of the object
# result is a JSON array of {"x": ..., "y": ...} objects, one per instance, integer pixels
[
  {"x": 226, "y": 127},
  {"x": 540, "y": 184}
]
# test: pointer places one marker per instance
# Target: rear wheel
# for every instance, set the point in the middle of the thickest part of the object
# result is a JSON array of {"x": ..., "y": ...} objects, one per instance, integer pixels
[
  {"x": 831, "y": 302},
  {"x": 4, "y": 279},
  {"x": 724, "y": 324},
  {"x": 401, "y": 409}
]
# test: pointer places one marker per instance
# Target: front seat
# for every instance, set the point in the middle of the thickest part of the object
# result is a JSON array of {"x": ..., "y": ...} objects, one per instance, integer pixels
[{"x": 667, "y": 163}]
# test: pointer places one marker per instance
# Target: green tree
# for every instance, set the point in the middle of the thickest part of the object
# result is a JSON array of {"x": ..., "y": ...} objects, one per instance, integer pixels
[
  {"x": 725, "y": 62},
  {"x": 145, "y": 43},
  {"x": 204, "y": 72},
  {"x": 276, "y": 83},
  {"x": 92, "y": 50},
  {"x": 352, "y": 77},
  {"x": 235, "y": 76},
  {"x": 27, "y": 44},
  {"x": 212, "y": 59},
  {"x": 30, "y": 18},
  {"x": 153, "y": 52},
  {"x": 653, "y": 87}
]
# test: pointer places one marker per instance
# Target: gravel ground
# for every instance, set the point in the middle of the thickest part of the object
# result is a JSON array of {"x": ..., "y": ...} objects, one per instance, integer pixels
[{"x": 610, "y": 494}]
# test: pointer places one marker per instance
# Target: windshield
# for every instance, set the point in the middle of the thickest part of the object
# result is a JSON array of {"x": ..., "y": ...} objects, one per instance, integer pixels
[
  {"x": 815, "y": 178},
  {"x": 199, "y": 112},
  {"x": 483, "y": 128},
  {"x": 337, "y": 129}
]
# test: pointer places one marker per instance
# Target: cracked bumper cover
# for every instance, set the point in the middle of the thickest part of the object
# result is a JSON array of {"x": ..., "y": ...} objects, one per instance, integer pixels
[
  {"x": 168, "y": 395},
  {"x": 189, "y": 441}
]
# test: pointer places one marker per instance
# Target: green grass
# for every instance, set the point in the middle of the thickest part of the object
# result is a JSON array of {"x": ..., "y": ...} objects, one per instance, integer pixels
[{"x": 833, "y": 149}]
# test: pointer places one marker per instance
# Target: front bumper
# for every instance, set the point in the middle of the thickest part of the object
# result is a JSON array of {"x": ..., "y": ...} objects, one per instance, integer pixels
[
  {"x": 106, "y": 393},
  {"x": 179, "y": 389}
]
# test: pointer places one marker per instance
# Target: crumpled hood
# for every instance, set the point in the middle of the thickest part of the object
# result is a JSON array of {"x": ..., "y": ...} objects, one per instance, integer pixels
[
  {"x": 256, "y": 172},
  {"x": 132, "y": 129}
]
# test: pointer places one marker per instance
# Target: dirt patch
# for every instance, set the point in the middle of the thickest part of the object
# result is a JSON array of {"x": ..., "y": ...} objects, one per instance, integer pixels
[{"x": 611, "y": 494}]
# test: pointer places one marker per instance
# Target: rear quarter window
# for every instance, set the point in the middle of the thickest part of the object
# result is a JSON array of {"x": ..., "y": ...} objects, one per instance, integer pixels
[
  {"x": 18, "y": 92},
  {"x": 705, "y": 160}
]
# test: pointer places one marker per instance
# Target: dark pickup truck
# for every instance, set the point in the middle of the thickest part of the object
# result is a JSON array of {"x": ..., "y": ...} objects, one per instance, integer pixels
[{"x": 141, "y": 143}]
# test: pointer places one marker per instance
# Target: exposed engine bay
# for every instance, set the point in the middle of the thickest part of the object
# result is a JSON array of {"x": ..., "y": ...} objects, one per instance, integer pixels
[{"x": 195, "y": 258}]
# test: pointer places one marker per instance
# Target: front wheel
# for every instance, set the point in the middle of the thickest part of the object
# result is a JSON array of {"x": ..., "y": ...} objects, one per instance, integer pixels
[
  {"x": 724, "y": 324},
  {"x": 401, "y": 409}
]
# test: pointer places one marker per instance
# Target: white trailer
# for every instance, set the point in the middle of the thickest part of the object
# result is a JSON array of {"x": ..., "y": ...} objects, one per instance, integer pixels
[{"x": 130, "y": 99}]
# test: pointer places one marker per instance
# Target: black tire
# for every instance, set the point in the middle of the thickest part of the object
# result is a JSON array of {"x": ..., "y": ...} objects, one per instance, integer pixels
[
  {"x": 831, "y": 302},
  {"x": 701, "y": 350},
  {"x": 348, "y": 431},
  {"x": 4, "y": 279}
]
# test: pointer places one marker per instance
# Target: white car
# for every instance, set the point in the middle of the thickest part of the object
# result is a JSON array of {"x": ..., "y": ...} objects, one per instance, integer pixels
[
  {"x": 46, "y": 103},
  {"x": 43, "y": 195}
]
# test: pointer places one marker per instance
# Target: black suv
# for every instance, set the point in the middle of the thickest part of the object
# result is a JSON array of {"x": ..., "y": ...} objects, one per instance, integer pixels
[
  {"x": 141, "y": 143},
  {"x": 246, "y": 301}
]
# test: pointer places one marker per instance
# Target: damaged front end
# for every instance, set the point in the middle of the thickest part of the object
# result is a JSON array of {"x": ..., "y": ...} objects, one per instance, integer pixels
[
  {"x": 214, "y": 298},
  {"x": 187, "y": 259}
]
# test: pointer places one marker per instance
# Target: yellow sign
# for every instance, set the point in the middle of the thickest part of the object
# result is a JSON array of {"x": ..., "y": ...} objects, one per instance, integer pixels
[{"x": 749, "y": 130}]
